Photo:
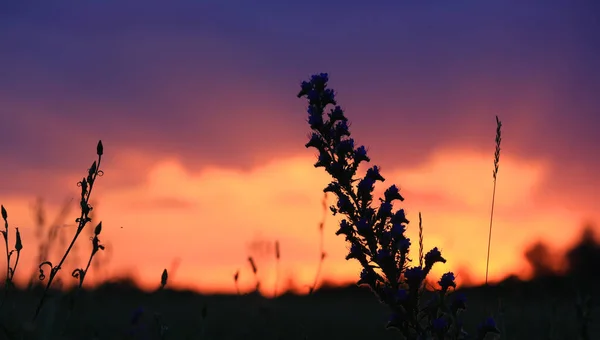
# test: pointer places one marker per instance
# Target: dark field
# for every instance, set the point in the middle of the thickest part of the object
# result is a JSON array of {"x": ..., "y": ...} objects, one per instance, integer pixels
[{"x": 544, "y": 309}]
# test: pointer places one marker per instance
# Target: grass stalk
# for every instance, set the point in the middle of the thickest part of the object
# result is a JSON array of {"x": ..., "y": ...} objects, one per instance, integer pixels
[{"x": 495, "y": 174}]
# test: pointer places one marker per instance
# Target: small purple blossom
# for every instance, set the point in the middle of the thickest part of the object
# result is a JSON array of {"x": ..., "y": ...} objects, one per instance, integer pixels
[
  {"x": 392, "y": 193},
  {"x": 333, "y": 187},
  {"x": 324, "y": 160},
  {"x": 328, "y": 97},
  {"x": 374, "y": 174},
  {"x": 365, "y": 186},
  {"x": 360, "y": 154},
  {"x": 432, "y": 257},
  {"x": 345, "y": 228},
  {"x": 447, "y": 281},
  {"x": 306, "y": 87},
  {"x": 313, "y": 96},
  {"x": 315, "y": 141},
  {"x": 341, "y": 129},
  {"x": 399, "y": 217},
  {"x": 367, "y": 276},
  {"x": 345, "y": 146},
  {"x": 337, "y": 114},
  {"x": 319, "y": 80}
]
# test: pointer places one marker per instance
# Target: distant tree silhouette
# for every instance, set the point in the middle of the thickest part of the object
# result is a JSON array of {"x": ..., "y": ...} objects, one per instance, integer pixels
[
  {"x": 540, "y": 259},
  {"x": 583, "y": 260}
]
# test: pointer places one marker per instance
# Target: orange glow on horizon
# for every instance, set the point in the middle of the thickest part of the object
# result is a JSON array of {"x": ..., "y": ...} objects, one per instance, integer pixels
[{"x": 205, "y": 223}]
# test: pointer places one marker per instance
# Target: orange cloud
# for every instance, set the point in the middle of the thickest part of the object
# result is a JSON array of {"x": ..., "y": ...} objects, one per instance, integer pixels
[{"x": 205, "y": 220}]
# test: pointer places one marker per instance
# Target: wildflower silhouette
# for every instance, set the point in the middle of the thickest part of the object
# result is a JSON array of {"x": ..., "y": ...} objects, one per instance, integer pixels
[{"x": 377, "y": 235}]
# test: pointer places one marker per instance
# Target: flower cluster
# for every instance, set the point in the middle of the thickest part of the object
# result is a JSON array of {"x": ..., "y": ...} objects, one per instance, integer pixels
[{"x": 377, "y": 234}]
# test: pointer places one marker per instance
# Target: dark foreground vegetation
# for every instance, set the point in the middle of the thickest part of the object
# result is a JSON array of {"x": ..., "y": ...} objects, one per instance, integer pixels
[{"x": 545, "y": 308}]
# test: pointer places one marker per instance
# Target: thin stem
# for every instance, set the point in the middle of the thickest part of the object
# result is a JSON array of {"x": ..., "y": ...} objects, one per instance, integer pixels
[
  {"x": 82, "y": 222},
  {"x": 487, "y": 264}
]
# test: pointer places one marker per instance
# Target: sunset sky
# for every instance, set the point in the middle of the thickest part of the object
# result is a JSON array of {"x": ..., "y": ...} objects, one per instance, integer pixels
[{"x": 195, "y": 102}]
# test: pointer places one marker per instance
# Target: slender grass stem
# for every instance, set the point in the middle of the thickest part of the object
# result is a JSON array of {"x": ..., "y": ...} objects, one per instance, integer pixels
[{"x": 495, "y": 174}]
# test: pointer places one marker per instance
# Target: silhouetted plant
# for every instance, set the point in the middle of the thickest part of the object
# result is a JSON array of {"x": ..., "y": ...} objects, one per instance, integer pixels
[
  {"x": 86, "y": 184},
  {"x": 10, "y": 270},
  {"x": 377, "y": 235},
  {"x": 495, "y": 175}
]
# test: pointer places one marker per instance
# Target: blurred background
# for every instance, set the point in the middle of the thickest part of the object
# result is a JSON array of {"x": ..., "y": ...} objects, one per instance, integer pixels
[{"x": 204, "y": 137}]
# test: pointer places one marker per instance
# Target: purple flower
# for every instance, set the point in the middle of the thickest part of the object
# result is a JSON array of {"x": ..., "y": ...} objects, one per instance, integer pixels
[
  {"x": 323, "y": 161},
  {"x": 367, "y": 276},
  {"x": 346, "y": 146},
  {"x": 328, "y": 97},
  {"x": 341, "y": 129},
  {"x": 345, "y": 228},
  {"x": 319, "y": 80},
  {"x": 365, "y": 189},
  {"x": 337, "y": 114},
  {"x": 306, "y": 87},
  {"x": 447, "y": 281},
  {"x": 392, "y": 193},
  {"x": 360, "y": 154},
  {"x": 333, "y": 187},
  {"x": 399, "y": 217},
  {"x": 315, "y": 141},
  {"x": 432, "y": 257},
  {"x": 374, "y": 174},
  {"x": 313, "y": 96},
  {"x": 398, "y": 230}
]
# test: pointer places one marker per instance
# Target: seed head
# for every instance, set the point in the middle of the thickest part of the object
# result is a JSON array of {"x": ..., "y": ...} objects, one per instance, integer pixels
[
  {"x": 99, "y": 148},
  {"x": 163, "y": 279}
]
